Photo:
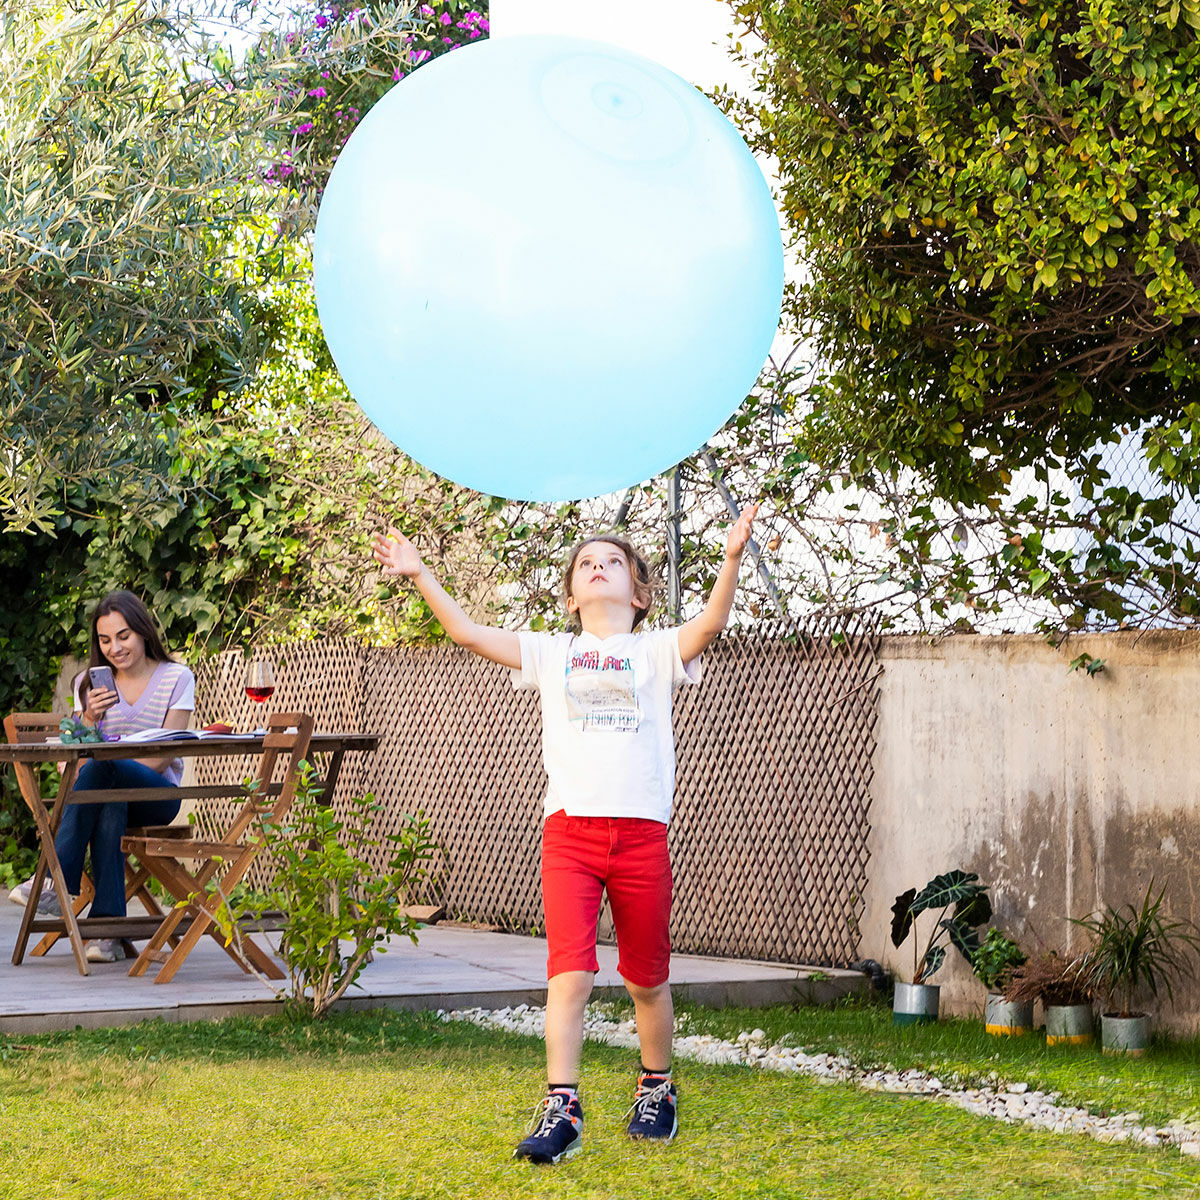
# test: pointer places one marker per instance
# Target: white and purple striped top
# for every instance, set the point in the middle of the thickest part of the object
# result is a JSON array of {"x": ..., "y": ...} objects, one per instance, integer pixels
[{"x": 171, "y": 685}]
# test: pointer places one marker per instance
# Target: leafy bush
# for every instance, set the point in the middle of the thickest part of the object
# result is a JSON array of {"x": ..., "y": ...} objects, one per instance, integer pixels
[
  {"x": 995, "y": 959},
  {"x": 338, "y": 908}
]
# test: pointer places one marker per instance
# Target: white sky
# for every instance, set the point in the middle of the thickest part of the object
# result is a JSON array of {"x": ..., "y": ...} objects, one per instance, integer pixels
[{"x": 691, "y": 37}]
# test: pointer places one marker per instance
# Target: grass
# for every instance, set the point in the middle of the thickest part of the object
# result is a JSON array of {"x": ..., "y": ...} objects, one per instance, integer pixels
[
  {"x": 381, "y": 1104},
  {"x": 1164, "y": 1084}
]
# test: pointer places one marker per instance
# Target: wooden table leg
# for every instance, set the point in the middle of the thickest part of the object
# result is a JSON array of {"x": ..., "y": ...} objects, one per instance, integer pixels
[{"x": 47, "y": 826}]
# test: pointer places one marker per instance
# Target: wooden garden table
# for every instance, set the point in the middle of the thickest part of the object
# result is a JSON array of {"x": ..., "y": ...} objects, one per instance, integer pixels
[{"x": 47, "y": 811}]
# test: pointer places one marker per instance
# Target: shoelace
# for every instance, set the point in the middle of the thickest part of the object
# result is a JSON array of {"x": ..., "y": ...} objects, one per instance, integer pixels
[
  {"x": 549, "y": 1113},
  {"x": 646, "y": 1103}
]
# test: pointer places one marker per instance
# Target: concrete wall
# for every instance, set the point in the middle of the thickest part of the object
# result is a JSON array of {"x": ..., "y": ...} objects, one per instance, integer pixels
[{"x": 1063, "y": 791}]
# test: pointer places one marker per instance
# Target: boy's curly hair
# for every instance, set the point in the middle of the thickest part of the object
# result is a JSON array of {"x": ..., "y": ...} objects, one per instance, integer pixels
[{"x": 639, "y": 565}]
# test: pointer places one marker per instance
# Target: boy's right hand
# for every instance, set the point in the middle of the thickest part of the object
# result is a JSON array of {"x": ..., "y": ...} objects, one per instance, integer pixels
[{"x": 396, "y": 554}]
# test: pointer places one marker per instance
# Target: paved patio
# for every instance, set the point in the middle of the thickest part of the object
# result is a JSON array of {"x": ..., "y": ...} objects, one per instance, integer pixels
[{"x": 449, "y": 968}]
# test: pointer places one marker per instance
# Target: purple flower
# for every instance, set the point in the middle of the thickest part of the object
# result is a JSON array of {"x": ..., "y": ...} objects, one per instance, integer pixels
[
  {"x": 324, "y": 74},
  {"x": 307, "y": 127},
  {"x": 448, "y": 41},
  {"x": 397, "y": 75},
  {"x": 319, "y": 92},
  {"x": 321, "y": 20},
  {"x": 426, "y": 11},
  {"x": 420, "y": 56},
  {"x": 444, "y": 19}
]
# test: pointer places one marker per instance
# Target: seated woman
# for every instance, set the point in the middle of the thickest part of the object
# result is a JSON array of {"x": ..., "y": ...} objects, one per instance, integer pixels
[{"x": 153, "y": 692}]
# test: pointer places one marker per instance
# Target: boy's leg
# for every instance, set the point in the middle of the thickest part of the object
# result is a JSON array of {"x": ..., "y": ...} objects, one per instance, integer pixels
[
  {"x": 566, "y": 997},
  {"x": 571, "y": 893},
  {"x": 639, "y": 890},
  {"x": 654, "y": 1011}
]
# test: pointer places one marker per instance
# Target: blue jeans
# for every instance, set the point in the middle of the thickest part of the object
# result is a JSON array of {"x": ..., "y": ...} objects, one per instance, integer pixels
[{"x": 102, "y": 826}]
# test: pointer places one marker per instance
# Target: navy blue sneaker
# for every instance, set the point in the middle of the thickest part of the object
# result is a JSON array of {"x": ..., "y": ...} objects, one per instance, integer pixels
[
  {"x": 557, "y": 1130},
  {"x": 654, "y": 1115}
]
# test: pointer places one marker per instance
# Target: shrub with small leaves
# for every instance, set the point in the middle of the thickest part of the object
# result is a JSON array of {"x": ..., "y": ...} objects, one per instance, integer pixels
[{"x": 338, "y": 908}]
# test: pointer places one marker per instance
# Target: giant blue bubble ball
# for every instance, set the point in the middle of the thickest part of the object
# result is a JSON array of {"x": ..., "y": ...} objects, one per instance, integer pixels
[{"x": 547, "y": 268}]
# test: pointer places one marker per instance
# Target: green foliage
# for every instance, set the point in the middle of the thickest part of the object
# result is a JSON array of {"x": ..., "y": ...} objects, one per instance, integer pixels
[
  {"x": 995, "y": 958},
  {"x": 129, "y": 168},
  {"x": 955, "y": 890},
  {"x": 997, "y": 205},
  {"x": 998, "y": 202},
  {"x": 330, "y": 893},
  {"x": 75, "y": 731},
  {"x": 1137, "y": 949}
]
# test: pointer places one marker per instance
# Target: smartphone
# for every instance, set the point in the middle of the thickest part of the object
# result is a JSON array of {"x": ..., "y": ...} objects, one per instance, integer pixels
[{"x": 102, "y": 677}]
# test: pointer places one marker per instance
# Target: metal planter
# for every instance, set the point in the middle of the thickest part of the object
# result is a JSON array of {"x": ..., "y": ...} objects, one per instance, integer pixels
[
  {"x": 1069, "y": 1025},
  {"x": 915, "y": 1003},
  {"x": 1008, "y": 1018},
  {"x": 1125, "y": 1035}
]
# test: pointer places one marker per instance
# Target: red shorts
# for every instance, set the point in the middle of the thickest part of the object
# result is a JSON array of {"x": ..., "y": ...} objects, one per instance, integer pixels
[{"x": 582, "y": 857}]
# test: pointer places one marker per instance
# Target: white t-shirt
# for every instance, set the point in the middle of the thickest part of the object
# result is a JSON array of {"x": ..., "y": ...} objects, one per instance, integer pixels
[{"x": 607, "y": 742}]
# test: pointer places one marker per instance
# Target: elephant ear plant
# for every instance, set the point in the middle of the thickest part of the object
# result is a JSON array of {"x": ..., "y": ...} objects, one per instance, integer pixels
[{"x": 963, "y": 904}]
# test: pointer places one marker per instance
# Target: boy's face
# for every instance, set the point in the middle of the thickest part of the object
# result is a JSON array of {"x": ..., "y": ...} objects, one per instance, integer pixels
[{"x": 602, "y": 575}]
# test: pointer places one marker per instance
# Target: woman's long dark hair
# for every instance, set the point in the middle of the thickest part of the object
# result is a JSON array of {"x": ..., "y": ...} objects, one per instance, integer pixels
[{"x": 137, "y": 617}]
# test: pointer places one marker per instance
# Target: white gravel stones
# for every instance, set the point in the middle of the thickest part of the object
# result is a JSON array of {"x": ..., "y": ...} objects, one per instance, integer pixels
[{"x": 1009, "y": 1102}]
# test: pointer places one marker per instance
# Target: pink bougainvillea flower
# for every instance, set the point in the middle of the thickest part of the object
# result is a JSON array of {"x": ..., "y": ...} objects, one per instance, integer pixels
[
  {"x": 307, "y": 127},
  {"x": 319, "y": 92}
]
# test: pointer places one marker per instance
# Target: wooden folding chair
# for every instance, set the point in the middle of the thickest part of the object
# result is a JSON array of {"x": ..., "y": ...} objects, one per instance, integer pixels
[
  {"x": 29, "y": 728},
  {"x": 223, "y": 861}
]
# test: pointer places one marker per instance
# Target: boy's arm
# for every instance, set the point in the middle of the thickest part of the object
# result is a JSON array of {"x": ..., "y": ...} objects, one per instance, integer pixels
[
  {"x": 397, "y": 555},
  {"x": 696, "y": 634}
]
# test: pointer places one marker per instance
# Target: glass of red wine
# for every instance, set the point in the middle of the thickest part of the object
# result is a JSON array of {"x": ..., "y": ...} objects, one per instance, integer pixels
[{"x": 260, "y": 681}]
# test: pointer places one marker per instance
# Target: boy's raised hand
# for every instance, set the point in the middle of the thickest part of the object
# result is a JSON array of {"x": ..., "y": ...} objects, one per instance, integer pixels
[
  {"x": 739, "y": 535},
  {"x": 396, "y": 554}
]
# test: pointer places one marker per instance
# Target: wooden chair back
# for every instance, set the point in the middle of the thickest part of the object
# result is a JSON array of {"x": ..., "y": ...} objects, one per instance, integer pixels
[
  {"x": 286, "y": 741},
  {"x": 31, "y": 727}
]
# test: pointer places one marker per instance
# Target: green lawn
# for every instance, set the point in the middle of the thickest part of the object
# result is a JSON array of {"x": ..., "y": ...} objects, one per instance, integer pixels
[
  {"x": 394, "y": 1105},
  {"x": 1164, "y": 1084}
]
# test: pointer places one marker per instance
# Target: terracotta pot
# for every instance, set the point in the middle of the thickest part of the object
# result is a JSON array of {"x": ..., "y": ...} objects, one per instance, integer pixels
[
  {"x": 915, "y": 1003},
  {"x": 1008, "y": 1018}
]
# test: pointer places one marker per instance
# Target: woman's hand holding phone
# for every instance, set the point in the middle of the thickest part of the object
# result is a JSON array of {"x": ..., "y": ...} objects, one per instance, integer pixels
[
  {"x": 101, "y": 695},
  {"x": 99, "y": 701}
]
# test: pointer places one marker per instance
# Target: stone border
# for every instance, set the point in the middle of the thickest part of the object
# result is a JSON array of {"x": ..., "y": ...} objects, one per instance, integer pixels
[{"x": 1013, "y": 1103}]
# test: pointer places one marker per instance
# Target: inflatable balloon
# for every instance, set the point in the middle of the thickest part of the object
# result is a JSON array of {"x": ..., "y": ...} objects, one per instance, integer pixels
[{"x": 547, "y": 268}]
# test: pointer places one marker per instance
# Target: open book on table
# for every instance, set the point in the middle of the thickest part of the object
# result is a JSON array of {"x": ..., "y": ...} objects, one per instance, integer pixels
[{"x": 179, "y": 735}]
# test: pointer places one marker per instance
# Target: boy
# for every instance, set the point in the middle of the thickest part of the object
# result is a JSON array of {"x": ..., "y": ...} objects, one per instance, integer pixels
[{"x": 609, "y": 753}]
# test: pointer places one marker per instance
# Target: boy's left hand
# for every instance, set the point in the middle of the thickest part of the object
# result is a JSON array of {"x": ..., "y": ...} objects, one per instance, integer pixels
[{"x": 739, "y": 535}]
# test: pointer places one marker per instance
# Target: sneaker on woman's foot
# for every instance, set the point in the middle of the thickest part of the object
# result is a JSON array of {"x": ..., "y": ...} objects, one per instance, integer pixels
[
  {"x": 557, "y": 1130},
  {"x": 654, "y": 1113},
  {"x": 104, "y": 950}
]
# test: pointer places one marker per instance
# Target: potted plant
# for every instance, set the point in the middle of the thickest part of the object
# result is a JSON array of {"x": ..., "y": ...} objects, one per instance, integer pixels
[
  {"x": 1134, "y": 951},
  {"x": 1058, "y": 981},
  {"x": 993, "y": 963},
  {"x": 962, "y": 904}
]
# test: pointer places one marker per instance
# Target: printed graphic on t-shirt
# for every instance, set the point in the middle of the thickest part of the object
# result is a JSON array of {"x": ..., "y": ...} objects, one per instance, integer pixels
[{"x": 602, "y": 691}]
